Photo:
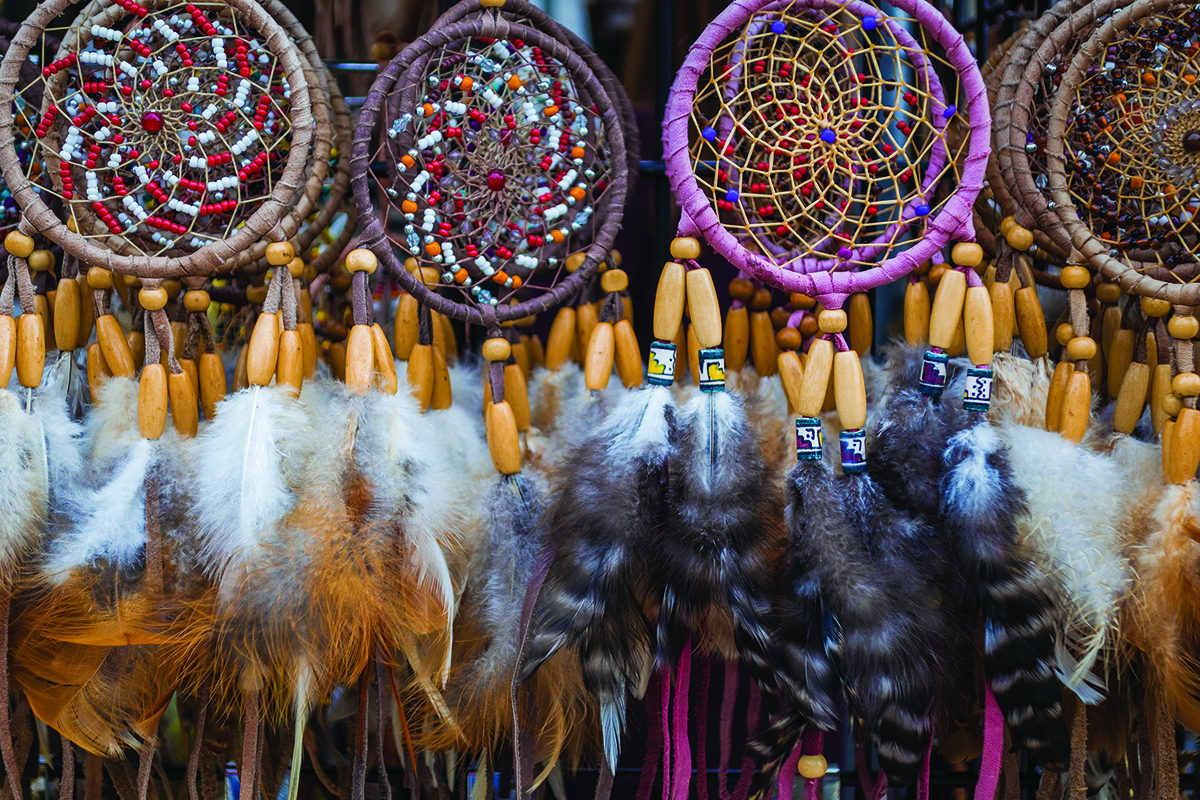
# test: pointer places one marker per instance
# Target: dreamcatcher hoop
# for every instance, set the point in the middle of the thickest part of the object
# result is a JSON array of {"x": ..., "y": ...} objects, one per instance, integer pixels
[
  {"x": 953, "y": 222},
  {"x": 489, "y": 26},
  {"x": 212, "y": 257}
]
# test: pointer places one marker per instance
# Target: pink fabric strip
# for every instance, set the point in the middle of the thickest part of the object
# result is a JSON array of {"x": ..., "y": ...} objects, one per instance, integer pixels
[
  {"x": 728, "y": 699},
  {"x": 787, "y": 773},
  {"x": 703, "y": 679},
  {"x": 814, "y": 744},
  {"x": 668, "y": 741},
  {"x": 923, "y": 776},
  {"x": 654, "y": 742},
  {"x": 872, "y": 789},
  {"x": 993, "y": 748},
  {"x": 742, "y": 790},
  {"x": 682, "y": 778}
]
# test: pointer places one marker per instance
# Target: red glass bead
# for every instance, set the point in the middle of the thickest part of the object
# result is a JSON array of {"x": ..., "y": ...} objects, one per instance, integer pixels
[
  {"x": 152, "y": 122},
  {"x": 496, "y": 180}
]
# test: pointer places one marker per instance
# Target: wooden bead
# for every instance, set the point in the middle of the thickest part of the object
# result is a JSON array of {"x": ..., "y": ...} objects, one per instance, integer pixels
[
  {"x": 240, "y": 381},
  {"x": 1185, "y": 447},
  {"x": 516, "y": 394},
  {"x": 1064, "y": 333},
  {"x": 152, "y": 299},
  {"x": 614, "y": 280},
  {"x": 385, "y": 365},
  {"x": 1186, "y": 384},
  {"x": 801, "y": 302},
  {"x": 586, "y": 317},
  {"x": 788, "y": 338},
  {"x": 99, "y": 278},
  {"x": 1153, "y": 307},
  {"x": 1019, "y": 238},
  {"x": 780, "y": 316},
  {"x": 1120, "y": 356},
  {"x": 256, "y": 294},
  {"x": 97, "y": 370},
  {"x": 117, "y": 354},
  {"x": 188, "y": 367},
  {"x": 41, "y": 307},
  {"x": 420, "y": 374},
  {"x": 503, "y": 440},
  {"x": 361, "y": 260},
  {"x": 978, "y": 326},
  {"x": 936, "y": 272},
  {"x": 185, "y": 414},
  {"x": 669, "y": 301},
  {"x": 816, "y": 378},
  {"x": 131, "y": 281},
  {"x": 520, "y": 357},
  {"x": 1031, "y": 323},
  {"x": 152, "y": 401},
  {"x": 947, "y": 308},
  {"x": 791, "y": 374},
  {"x": 1006, "y": 225},
  {"x": 1003, "y": 316},
  {"x": 1168, "y": 435},
  {"x": 598, "y": 364},
  {"x": 1183, "y": 327},
  {"x": 574, "y": 262},
  {"x": 1075, "y": 277},
  {"x": 703, "y": 308},
  {"x": 916, "y": 314},
  {"x": 761, "y": 300},
  {"x": 849, "y": 390},
  {"x": 66, "y": 315},
  {"x": 1054, "y": 396},
  {"x": 137, "y": 346},
  {"x": 967, "y": 254},
  {"x": 693, "y": 353},
  {"x": 736, "y": 341},
  {"x": 289, "y": 368},
  {"x": 360, "y": 358},
  {"x": 87, "y": 310},
  {"x": 280, "y": 253},
  {"x": 1172, "y": 405},
  {"x": 441, "y": 395},
  {"x": 741, "y": 289},
  {"x": 685, "y": 247},
  {"x": 808, "y": 326},
  {"x": 8, "y": 348},
  {"x": 1131, "y": 398},
  {"x": 1160, "y": 387},
  {"x": 407, "y": 327},
  {"x": 831, "y": 320},
  {"x": 492, "y": 3},
  {"x": 1081, "y": 348},
  {"x": 308, "y": 348},
  {"x": 263, "y": 350},
  {"x": 1108, "y": 292},
  {"x": 196, "y": 300},
  {"x": 537, "y": 353},
  {"x": 812, "y": 766},
  {"x": 496, "y": 349},
  {"x": 763, "y": 349},
  {"x": 1076, "y": 406},
  {"x": 18, "y": 244},
  {"x": 628, "y": 354},
  {"x": 859, "y": 323},
  {"x": 450, "y": 339},
  {"x": 41, "y": 261},
  {"x": 561, "y": 338}
]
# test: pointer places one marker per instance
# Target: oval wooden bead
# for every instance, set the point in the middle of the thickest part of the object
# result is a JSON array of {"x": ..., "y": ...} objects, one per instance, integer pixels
[
  {"x": 801, "y": 302},
  {"x": 916, "y": 314},
  {"x": 703, "y": 308},
  {"x": 496, "y": 349},
  {"x": 66, "y": 315},
  {"x": 360, "y": 260},
  {"x": 289, "y": 369},
  {"x": 280, "y": 253},
  {"x": 97, "y": 370},
  {"x": 137, "y": 346},
  {"x": 117, "y": 354},
  {"x": 440, "y": 396},
  {"x": 761, "y": 301},
  {"x": 1081, "y": 348},
  {"x": 598, "y": 366},
  {"x": 1019, "y": 238},
  {"x": 1153, "y": 307},
  {"x": 1108, "y": 292},
  {"x": 1003, "y": 316},
  {"x": 789, "y": 338},
  {"x": 263, "y": 350},
  {"x": 1172, "y": 404},
  {"x": 958, "y": 344},
  {"x": 613, "y": 280},
  {"x": 537, "y": 353},
  {"x": 1120, "y": 357},
  {"x": 189, "y": 367},
  {"x": 764, "y": 350},
  {"x": 736, "y": 341},
  {"x": 1055, "y": 394},
  {"x": 8, "y": 349},
  {"x": 516, "y": 394},
  {"x": 256, "y": 294},
  {"x": 741, "y": 289},
  {"x": 1168, "y": 436},
  {"x": 1185, "y": 447},
  {"x": 574, "y": 262},
  {"x": 967, "y": 254},
  {"x": 152, "y": 299},
  {"x": 1076, "y": 406},
  {"x": 849, "y": 390},
  {"x": 816, "y": 378},
  {"x": 385, "y": 366},
  {"x": 561, "y": 338},
  {"x": 420, "y": 374},
  {"x": 1131, "y": 398},
  {"x": 1031, "y": 322},
  {"x": 1186, "y": 384},
  {"x": 1110, "y": 323},
  {"x": 791, "y": 374},
  {"x": 1075, "y": 277},
  {"x": 978, "y": 325},
  {"x": 1183, "y": 327},
  {"x": 152, "y": 401},
  {"x": 685, "y": 247},
  {"x": 308, "y": 347},
  {"x": 360, "y": 358},
  {"x": 1160, "y": 387},
  {"x": 1064, "y": 333},
  {"x": 240, "y": 381},
  {"x": 407, "y": 327},
  {"x": 41, "y": 261},
  {"x": 693, "y": 353},
  {"x": 451, "y": 340},
  {"x": 41, "y": 307},
  {"x": 947, "y": 308},
  {"x": 831, "y": 320},
  {"x": 628, "y": 355},
  {"x": 521, "y": 357},
  {"x": 87, "y": 311},
  {"x": 860, "y": 324},
  {"x": 586, "y": 318},
  {"x": 504, "y": 442},
  {"x": 18, "y": 244},
  {"x": 185, "y": 414}
]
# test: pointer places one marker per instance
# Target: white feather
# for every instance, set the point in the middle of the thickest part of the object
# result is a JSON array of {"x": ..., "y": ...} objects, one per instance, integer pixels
[
  {"x": 974, "y": 487},
  {"x": 635, "y": 428},
  {"x": 24, "y": 482},
  {"x": 715, "y": 416}
]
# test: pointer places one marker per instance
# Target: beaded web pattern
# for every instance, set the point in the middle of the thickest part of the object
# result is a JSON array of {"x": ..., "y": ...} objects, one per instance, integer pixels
[
  {"x": 1132, "y": 144},
  {"x": 825, "y": 137},
  {"x": 162, "y": 127},
  {"x": 498, "y": 166}
]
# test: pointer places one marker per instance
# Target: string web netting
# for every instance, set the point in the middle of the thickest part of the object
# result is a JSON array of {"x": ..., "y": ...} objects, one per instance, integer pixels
[
  {"x": 498, "y": 166},
  {"x": 824, "y": 139}
]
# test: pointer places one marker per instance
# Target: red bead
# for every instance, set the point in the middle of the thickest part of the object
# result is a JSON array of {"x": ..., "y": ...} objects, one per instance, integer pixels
[{"x": 152, "y": 122}]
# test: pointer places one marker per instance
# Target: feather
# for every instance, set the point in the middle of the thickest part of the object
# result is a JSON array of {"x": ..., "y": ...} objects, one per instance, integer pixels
[{"x": 24, "y": 487}]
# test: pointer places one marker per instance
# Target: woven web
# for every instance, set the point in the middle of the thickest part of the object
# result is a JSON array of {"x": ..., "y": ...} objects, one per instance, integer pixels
[
  {"x": 1132, "y": 144},
  {"x": 162, "y": 129},
  {"x": 498, "y": 167},
  {"x": 827, "y": 137}
]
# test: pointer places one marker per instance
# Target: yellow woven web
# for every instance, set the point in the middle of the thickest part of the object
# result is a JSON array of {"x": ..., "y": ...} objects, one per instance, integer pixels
[{"x": 795, "y": 75}]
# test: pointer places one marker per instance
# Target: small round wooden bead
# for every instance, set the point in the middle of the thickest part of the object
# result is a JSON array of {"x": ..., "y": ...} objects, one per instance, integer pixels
[
  {"x": 1183, "y": 327},
  {"x": 497, "y": 349},
  {"x": 801, "y": 302},
  {"x": 429, "y": 276},
  {"x": 1172, "y": 404},
  {"x": 18, "y": 244},
  {"x": 788, "y": 338},
  {"x": 832, "y": 320},
  {"x": 491, "y": 3},
  {"x": 780, "y": 317},
  {"x": 1108, "y": 293},
  {"x": 1186, "y": 384},
  {"x": 1081, "y": 348},
  {"x": 813, "y": 766},
  {"x": 1153, "y": 307},
  {"x": 280, "y": 253},
  {"x": 1019, "y": 238},
  {"x": 761, "y": 300},
  {"x": 616, "y": 258},
  {"x": 685, "y": 247},
  {"x": 1075, "y": 277},
  {"x": 99, "y": 278},
  {"x": 1064, "y": 333},
  {"x": 967, "y": 254},
  {"x": 741, "y": 289},
  {"x": 41, "y": 261},
  {"x": 173, "y": 287},
  {"x": 808, "y": 325},
  {"x": 575, "y": 261},
  {"x": 132, "y": 281},
  {"x": 361, "y": 260},
  {"x": 1006, "y": 225},
  {"x": 936, "y": 272},
  {"x": 152, "y": 299},
  {"x": 256, "y": 294},
  {"x": 923, "y": 268},
  {"x": 614, "y": 280},
  {"x": 410, "y": 264},
  {"x": 196, "y": 300},
  {"x": 296, "y": 267}
]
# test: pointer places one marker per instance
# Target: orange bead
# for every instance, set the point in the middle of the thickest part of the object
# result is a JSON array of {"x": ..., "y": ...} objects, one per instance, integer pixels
[
  {"x": 1114, "y": 158},
  {"x": 433, "y": 249},
  {"x": 514, "y": 82},
  {"x": 1190, "y": 79},
  {"x": 427, "y": 110},
  {"x": 550, "y": 111},
  {"x": 461, "y": 276},
  {"x": 407, "y": 160},
  {"x": 500, "y": 277},
  {"x": 409, "y": 206},
  {"x": 1135, "y": 183},
  {"x": 578, "y": 152},
  {"x": 557, "y": 236},
  {"x": 516, "y": 281},
  {"x": 578, "y": 193},
  {"x": 1149, "y": 79},
  {"x": 467, "y": 83}
]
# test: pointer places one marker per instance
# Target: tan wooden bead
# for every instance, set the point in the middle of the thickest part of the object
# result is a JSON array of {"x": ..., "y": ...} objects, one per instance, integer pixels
[
  {"x": 1031, "y": 322},
  {"x": 196, "y": 300},
  {"x": 407, "y": 327},
  {"x": 761, "y": 300},
  {"x": 1076, "y": 406},
  {"x": 1019, "y": 238},
  {"x": 99, "y": 278},
  {"x": 360, "y": 358},
  {"x": 692, "y": 345},
  {"x": 308, "y": 348},
  {"x": 18, "y": 244},
  {"x": 816, "y": 378},
  {"x": 586, "y": 317},
  {"x": 1160, "y": 387},
  {"x": 1064, "y": 333},
  {"x": 97, "y": 370},
  {"x": 736, "y": 338},
  {"x": 516, "y": 394},
  {"x": 780, "y": 315},
  {"x": 152, "y": 299},
  {"x": 385, "y": 365},
  {"x": 860, "y": 325},
  {"x": 256, "y": 294},
  {"x": 703, "y": 308},
  {"x": 117, "y": 354},
  {"x": 1120, "y": 356},
  {"x": 1185, "y": 447},
  {"x": 936, "y": 272},
  {"x": 561, "y": 338},
  {"x": 1110, "y": 323},
  {"x": 361, "y": 260},
  {"x": 280, "y": 253},
  {"x": 1004, "y": 320},
  {"x": 801, "y": 302},
  {"x": 1172, "y": 404},
  {"x": 31, "y": 350},
  {"x": 978, "y": 325},
  {"x": 1183, "y": 327},
  {"x": 808, "y": 326},
  {"x": 916, "y": 313},
  {"x": 492, "y": 3},
  {"x": 812, "y": 766},
  {"x": 741, "y": 289},
  {"x": 420, "y": 375},
  {"x": 598, "y": 363},
  {"x": 832, "y": 320},
  {"x": 67, "y": 302},
  {"x": 1108, "y": 293},
  {"x": 152, "y": 401},
  {"x": 1186, "y": 384},
  {"x": 1131, "y": 398},
  {"x": 849, "y": 390},
  {"x": 504, "y": 443},
  {"x": 188, "y": 366},
  {"x": 41, "y": 261},
  {"x": 791, "y": 373},
  {"x": 1154, "y": 307},
  {"x": 1006, "y": 225},
  {"x": 296, "y": 267},
  {"x": 497, "y": 349},
  {"x": 763, "y": 349},
  {"x": 575, "y": 261},
  {"x": 1168, "y": 435},
  {"x": 614, "y": 280},
  {"x": 289, "y": 368},
  {"x": 137, "y": 346},
  {"x": 1054, "y": 396},
  {"x": 185, "y": 413},
  {"x": 87, "y": 310},
  {"x": 788, "y": 338},
  {"x": 685, "y": 247},
  {"x": 628, "y": 355},
  {"x": 1075, "y": 277},
  {"x": 8, "y": 348},
  {"x": 669, "y": 300},
  {"x": 967, "y": 254},
  {"x": 441, "y": 395},
  {"x": 1081, "y": 348},
  {"x": 263, "y": 354}
]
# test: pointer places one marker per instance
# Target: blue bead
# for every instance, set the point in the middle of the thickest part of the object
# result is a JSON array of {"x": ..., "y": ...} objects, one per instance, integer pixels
[
  {"x": 708, "y": 133},
  {"x": 869, "y": 23},
  {"x": 828, "y": 136},
  {"x": 922, "y": 209},
  {"x": 778, "y": 27},
  {"x": 732, "y": 195},
  {"x": 949, "y": 112}
]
